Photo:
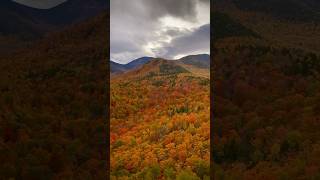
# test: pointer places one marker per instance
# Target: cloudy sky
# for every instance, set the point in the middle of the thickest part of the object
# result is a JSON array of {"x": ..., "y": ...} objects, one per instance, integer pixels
[
  {"x": 159, "y": 28},
  {"x": 40, "y": 4}
]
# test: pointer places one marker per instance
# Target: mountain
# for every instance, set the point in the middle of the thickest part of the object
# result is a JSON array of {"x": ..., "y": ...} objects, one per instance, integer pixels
[
  {"x": 119, "y": 68},
  {"x": 29, "y": 22},
  {"x": 116, "y": 67},
  {"x": 156, "y": 66},
  {"x": 197, "y": 61},
  {"x": 162, "y": 66},
  {"x": 137, "y": 62},
  {"x": 200, "y": 60}
]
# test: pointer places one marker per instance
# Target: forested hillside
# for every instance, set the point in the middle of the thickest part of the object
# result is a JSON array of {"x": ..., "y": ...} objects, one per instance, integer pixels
[
  {"x": 160, "y": 124},
  {"x": 52, "y": 103},
  {"x": 266, "y": 96}
]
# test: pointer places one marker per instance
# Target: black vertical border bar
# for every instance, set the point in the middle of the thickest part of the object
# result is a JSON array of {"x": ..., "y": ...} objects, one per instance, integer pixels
[
  {"x": 211, "y": 89},
  {"x": 107, "y": 140}
]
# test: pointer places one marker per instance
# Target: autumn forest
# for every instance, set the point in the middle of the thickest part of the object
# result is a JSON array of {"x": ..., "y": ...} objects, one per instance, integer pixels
[
  {"x": 160, "y": 123},
  {"x": 266, "y": 90}
]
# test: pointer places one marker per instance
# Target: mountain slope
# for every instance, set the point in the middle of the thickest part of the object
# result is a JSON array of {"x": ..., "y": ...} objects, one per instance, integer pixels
[
  {"x": 137, "y": 62},
  {"x": 116, "y": 67},
  {"x": 53, "y": 124},
  {"x": 120, "y": 68},
  {"x": 200, "y": 60},
  {"x": 267, "y": 94},
  {"x": 159, "y": 123},
  {"x": 156, "y": 66}
]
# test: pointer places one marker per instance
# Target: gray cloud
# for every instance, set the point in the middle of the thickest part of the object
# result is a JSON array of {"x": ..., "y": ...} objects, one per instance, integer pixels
[
  {"x": 40, "y": 4},
  {"x": 174, "y": 32},
  {"x": 124, "y": 46},
  {"x": 138, "y": 29},
  {"x": 205, "y": 1},
  {"x": 181, "y": 8},
  {"x": 193, "y": 42}
]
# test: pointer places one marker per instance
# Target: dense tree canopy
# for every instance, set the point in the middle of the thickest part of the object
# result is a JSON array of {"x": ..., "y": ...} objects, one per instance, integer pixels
[
  {"x": 160, "y": 126},
  {"x": 52, "y": 106},
  {"x": 266, "y": 93}
]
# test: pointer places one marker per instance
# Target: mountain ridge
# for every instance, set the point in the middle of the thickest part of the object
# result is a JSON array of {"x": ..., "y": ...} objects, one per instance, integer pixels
[{"x": 198, "y": 60}]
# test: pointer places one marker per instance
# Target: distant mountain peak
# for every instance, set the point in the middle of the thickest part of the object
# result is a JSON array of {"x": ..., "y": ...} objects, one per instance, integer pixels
[
  {"x": 199, "y": 60},
  {"x": 138, "y": 62}
]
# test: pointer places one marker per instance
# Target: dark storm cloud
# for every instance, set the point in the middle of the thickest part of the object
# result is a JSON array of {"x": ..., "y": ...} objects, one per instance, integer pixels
[
  {"x": 185, "y": 9},
  {"x": 40, "y": 4},
  {"x": 196, "y": 41}
]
